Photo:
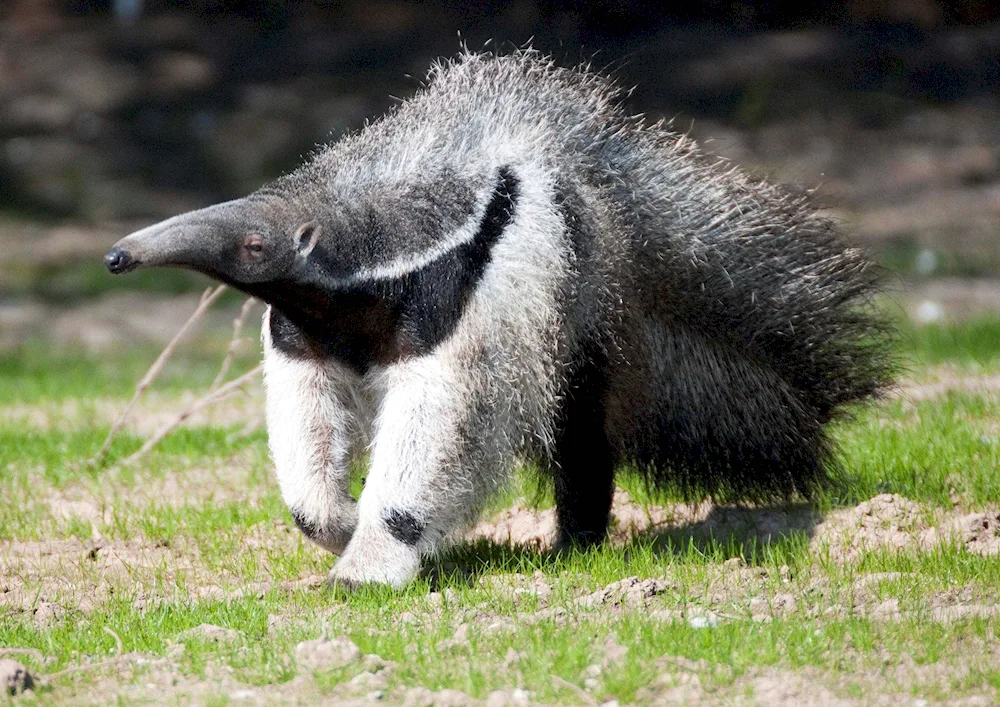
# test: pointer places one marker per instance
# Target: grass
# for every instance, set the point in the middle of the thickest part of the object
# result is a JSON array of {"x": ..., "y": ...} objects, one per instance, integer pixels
[
  {"x": 198, "y": 534},
  {"x": 36, "y": 372},
  {"x": 973, "y": 343},
  {"x": 930, "y": 450}
]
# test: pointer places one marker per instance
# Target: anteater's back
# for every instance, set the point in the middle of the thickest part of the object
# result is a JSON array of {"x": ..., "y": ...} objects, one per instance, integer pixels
[{"x": 730, "y": 322}]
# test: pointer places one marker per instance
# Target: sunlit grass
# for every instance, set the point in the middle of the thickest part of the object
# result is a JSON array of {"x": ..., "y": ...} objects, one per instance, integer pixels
[{"x": 243, "y": 543}]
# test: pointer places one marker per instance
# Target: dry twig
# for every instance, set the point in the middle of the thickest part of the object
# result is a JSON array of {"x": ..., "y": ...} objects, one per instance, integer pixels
[
  {"x": 118, "y": 640},
  {"x": 211, "y": 398},
  {"x": 234, "y": 343},
  {"x": 127, "y": 659},
  {"x": 207, "y": 299}
]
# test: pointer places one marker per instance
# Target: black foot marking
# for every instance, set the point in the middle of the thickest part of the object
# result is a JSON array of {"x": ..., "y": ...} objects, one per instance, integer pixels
[
  {"x": 308, "y": 528},
  {"x": 403, "y": 526}
]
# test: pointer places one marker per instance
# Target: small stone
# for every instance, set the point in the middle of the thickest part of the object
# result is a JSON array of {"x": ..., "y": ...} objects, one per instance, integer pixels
[
  {"x": 375, "y": 696},
  {"x": 324, "y": 654},
  {"x": 784, "y": 603},
  {"x": 703, "y": 621},
  {"x": 369, "y": 682},
  {"x": 15, "y": 677},
  {"x": 630, "y": 591},
  {"x": 760, "y": 609},
  {"x": 275, "y": 624},
  {"x": 210, "y": 632},
  {"x": 48, "y": 613},
  {"x": 459, "y": 640},
  {"x": 497, "y": 698},
  {"x": 435, "y": 598},
  {"x": 887, "y": 610},
  {"x": 511, "y": 658},
  {"x": 593, "y": 670},
  {"x": 591, "y": 684},
  {"x": 418, "y": 697},
  {"x": 452, "y": 698},
  {"x": 613, "y": 652},
  {"x": 610, "y": 703},
  {"x": 520, "y": 696},
  {"x": 374, "y": 663},
  {"x": 422, "y": 697}
]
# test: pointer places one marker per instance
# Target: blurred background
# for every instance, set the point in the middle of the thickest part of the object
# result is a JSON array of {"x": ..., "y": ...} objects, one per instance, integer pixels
[{"x": 117, "y": 113}]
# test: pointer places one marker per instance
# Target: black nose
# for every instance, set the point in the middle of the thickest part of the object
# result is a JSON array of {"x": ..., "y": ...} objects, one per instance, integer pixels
[{"x": 118, "y": 260}]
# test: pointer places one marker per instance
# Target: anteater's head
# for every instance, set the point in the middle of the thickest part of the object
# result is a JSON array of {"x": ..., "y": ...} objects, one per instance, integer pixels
[
  {"x": 244, "y": 242},
  {"x": 381, "y": 246}
]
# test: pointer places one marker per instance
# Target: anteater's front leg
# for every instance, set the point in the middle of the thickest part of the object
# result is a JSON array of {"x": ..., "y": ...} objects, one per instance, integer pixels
[
  {"x": 312, "y": 424},
  {"x": 434, "y": 457}
]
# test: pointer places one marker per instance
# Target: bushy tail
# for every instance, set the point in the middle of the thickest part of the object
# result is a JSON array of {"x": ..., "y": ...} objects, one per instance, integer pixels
[{"x": 770, "y": 334}]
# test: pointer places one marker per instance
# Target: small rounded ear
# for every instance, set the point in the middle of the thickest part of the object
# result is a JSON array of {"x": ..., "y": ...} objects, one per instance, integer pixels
[{"x": 305, "y": 238}]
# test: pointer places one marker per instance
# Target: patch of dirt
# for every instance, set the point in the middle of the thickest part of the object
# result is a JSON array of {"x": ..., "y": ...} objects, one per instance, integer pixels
[
  {"x": 631, "y": 591},
  {"x": 101, "y": 503},
  {"x": 44, "y": 577},
  {"x": 147, "y": 680},
  {"x": 516, "y": 586},
  {"x": 517, "y": 525},
  {"x": 211, "y": 633},
  {"x": 885, "y": 521},
  {"x": 44, "y": 580},
  {"x": 530, "y": 527},
  {"x": 229, "y": 479},
  {"x": 784, "y": 687},
  {"x": 681, "y": 681},
  {"x": 327, "y": 654},
  {"x": 888, "y": 520},
  {"x": 979, "y": 532}
]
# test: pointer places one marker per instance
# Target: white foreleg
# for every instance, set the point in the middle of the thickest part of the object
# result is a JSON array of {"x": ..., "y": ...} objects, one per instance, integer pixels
[
  {"x": 431, "y": 465},
  {"x": 312, "y": 424}
]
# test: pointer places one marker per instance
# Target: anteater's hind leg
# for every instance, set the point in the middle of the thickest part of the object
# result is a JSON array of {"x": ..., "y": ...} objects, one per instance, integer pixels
[{"x": 583, "y": 463}]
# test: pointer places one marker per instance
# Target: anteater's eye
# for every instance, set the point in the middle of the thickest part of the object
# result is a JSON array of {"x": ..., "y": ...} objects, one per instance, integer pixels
[{"x": 253, "y": 244}]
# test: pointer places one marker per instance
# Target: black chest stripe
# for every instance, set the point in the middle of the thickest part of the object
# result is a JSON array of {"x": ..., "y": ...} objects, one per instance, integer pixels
[{"x": 379, "y": 321}]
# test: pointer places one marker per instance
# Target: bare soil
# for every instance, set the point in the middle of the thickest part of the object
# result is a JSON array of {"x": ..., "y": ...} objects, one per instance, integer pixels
[{"x": 887, "y": 520}]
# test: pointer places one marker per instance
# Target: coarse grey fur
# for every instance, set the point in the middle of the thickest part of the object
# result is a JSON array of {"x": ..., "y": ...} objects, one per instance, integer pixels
[{"x": 508, "y": 265}]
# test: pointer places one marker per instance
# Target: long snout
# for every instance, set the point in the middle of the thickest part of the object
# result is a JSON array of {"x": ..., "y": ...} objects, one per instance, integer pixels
[
  {"x": 187, "y": 240},
  {"x": 166, "y": 243}
]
